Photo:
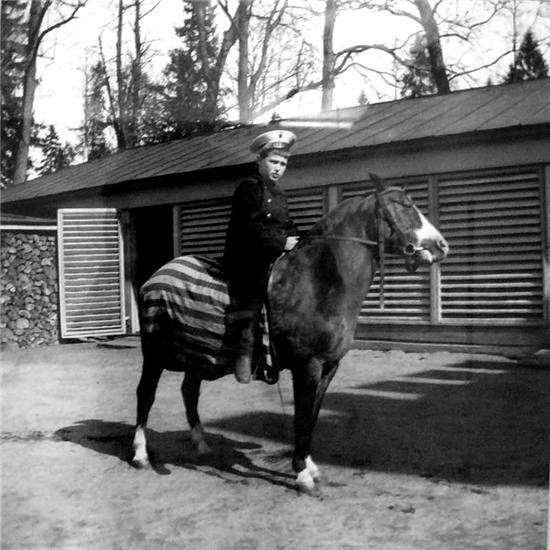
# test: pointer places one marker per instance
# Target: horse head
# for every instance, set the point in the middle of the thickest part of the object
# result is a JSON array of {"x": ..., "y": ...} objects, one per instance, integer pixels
[{"x": 404, "y": 230}]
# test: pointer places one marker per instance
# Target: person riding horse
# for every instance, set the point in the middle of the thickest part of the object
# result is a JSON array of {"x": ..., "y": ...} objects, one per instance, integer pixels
[{"x": 259, "y": 230}]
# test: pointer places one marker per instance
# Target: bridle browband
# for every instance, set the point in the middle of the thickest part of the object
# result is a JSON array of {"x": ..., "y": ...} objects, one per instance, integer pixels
[{"x": 382, "y": 213}]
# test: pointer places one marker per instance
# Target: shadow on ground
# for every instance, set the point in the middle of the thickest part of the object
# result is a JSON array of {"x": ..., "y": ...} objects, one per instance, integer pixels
[
  {"x": 476, "y": 421},
  {"x": 229, "y": 459}
]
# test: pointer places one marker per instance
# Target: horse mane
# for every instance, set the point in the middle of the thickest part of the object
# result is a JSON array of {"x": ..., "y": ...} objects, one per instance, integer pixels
[{"x": 342, "y": 218}]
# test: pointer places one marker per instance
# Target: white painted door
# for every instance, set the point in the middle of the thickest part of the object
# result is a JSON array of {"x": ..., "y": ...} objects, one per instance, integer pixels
[{"x": 91, "y": 273}]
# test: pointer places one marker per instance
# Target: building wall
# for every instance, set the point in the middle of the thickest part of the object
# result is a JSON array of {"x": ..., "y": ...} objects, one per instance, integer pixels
[
  {"x": 493, "y": 292},
  {"x": 420, "y": 309}
]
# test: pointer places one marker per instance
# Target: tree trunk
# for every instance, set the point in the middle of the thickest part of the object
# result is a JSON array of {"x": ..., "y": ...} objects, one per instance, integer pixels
[
  {"x": 212, "y": 75},
  {"x": 122, "y": 137},
  {"x": 328, "y": 56},
  {"x": 110, "y": 95},
  {"x": 37, "y": 11},
  {"x": 243, "y": 29},
  {"x": 435, "y": 53},
  {"x": 136, "y": 73}
]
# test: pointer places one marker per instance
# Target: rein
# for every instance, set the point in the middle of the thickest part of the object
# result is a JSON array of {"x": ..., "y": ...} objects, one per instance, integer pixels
[
  {"x": 366, "y": 242},
  {"x": 409, "y": 249}
]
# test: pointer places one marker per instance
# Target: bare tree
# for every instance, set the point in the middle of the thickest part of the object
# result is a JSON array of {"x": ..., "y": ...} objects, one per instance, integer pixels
[
  {"x": 136, "y": 68},
  {"x": 274, "y": 59},
  {"x": 433, "y": 45},
  {"x": 329, "y": 57},
  {"x": 243, "y": 86},
  {"x": 121, "y": 85},
  {"x": 35, "y": 35},
  {"x": 213, "y": 75},
  {"x": 435, "y": 24},
  {"x": 125, "y": 83}
]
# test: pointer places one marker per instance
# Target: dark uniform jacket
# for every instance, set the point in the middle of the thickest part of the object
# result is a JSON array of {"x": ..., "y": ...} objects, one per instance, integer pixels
[{"x": 256, "y": 236}]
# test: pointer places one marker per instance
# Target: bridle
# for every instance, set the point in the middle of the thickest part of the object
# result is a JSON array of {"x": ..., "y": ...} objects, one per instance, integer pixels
[{"x": 382, "y": 213}]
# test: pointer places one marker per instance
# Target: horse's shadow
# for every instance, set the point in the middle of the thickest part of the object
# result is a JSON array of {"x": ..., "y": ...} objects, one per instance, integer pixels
[
  {"x": 475, "y": 421},
  {"x": 229, "y": 459}
]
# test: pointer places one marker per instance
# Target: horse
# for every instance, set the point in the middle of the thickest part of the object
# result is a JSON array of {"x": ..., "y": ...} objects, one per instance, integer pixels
[{"x": 314, "y": 296}]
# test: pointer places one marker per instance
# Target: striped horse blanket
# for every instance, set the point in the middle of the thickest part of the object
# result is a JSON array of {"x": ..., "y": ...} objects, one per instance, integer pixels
[{"x": 186, "y": 314}]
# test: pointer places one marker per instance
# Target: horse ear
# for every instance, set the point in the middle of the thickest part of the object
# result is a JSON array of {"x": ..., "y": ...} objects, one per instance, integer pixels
[{"x": 378, "y": 181}]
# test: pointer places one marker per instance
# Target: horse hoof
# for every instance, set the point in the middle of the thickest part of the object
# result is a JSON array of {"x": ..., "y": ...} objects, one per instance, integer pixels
[
  {"x": 305, "y": 483},
  {"x": 308, "y": 491},
  {"x": 313, "y": 470},
  {"x": 141, "y": 463}
]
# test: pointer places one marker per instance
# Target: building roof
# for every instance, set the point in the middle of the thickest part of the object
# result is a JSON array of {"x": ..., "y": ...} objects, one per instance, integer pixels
[
  {"x": 477, "y": 110},
  {"x": 17, "y": 221}
]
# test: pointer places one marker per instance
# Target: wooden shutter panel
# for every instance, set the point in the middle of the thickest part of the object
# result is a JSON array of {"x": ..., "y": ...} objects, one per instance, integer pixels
[
  {"x": 494, "y": 272},
  {"x": 406, "y": 295},
  {"x": 306, "y": 207},
  {"x": 203, "y": 224},
  {"x": 202, "y": 227},
  {"x": 90, "y": 273}
]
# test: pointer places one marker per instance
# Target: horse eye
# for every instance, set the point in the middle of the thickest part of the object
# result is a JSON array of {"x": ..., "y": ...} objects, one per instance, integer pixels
[{"x": 406, "y": 202}]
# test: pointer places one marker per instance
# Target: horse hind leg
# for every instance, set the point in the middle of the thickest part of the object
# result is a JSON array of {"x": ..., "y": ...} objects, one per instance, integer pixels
[
  {"x": 190, "y": 391},
  {"x": 146, "y": 390}
]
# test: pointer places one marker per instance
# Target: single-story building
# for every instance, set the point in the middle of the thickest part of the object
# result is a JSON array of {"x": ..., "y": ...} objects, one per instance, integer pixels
[{"x": 477, "y": 162}]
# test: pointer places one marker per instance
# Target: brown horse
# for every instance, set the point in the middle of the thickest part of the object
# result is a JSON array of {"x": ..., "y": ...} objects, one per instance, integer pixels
[{"x": 315, "y": 294}]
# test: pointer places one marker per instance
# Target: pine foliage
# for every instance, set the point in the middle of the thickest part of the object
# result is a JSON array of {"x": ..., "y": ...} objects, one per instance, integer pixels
[
  {"x": 189, "y": 105},
  {"x": 418, "y": 81},
  {"x": 56, "y": 155},
  {"x": 12, "y": 60},
  {"x": 529, "y": 63}
]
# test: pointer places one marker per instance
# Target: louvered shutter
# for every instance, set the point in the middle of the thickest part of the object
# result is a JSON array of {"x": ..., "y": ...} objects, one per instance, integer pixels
[
  {"x": 90, "y": 273},
  {"x": 494, "y": 272},
  {"x": 306, "y": 207},
  {"x": 202, "y": 227},
  {"x": 406, "y": 295},
  {"x": 203, "y": 224}
]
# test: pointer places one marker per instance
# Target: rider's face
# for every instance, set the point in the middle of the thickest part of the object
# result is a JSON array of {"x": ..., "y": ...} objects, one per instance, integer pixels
[{"x": 272, "y": 167}]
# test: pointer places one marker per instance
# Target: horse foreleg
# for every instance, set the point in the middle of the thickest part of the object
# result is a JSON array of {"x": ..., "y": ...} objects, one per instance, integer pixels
[
  {"x": 329, "y": 370},
  {"x": 147, "y": 387},
  {"x": 190, "y": 391},
  {"x": 305, "y": 381}
]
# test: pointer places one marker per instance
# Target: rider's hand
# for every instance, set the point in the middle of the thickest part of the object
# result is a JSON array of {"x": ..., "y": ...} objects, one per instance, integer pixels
[{"x": 291, "y": 242}]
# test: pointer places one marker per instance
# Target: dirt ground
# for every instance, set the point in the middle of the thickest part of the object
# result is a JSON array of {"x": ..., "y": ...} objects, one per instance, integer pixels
[{"x": 418, "y": 451}]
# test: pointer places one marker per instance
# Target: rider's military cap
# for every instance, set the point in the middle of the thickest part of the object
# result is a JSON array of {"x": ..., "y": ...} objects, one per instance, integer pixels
[{"x": 274, "y": 139}]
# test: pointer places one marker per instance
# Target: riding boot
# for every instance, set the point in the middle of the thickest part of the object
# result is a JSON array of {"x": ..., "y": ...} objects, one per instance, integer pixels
[{"x": 245, "y": 353}]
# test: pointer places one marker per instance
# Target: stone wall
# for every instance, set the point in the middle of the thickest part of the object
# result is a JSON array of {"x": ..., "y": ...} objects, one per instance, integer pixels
[{"x": 28, "y": 289}]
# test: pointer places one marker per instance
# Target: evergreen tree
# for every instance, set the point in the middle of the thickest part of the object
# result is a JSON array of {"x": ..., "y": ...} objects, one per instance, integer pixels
[
  {"x": 55, "y": 154},
  {"x": 529, "y": 63},
  {"x": 418, "y": 80},
  {"x": 95, "y": 142},
  {"x": 190, "y": 107},
  {"x": 363, "y": 99},
  {"x": 12, "y": 59}
]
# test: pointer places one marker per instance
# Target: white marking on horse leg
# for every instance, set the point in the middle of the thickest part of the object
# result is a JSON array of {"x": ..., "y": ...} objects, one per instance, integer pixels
[
  {"x": 141, "y": 459},
  {"x": 197, "y": 437},
  {"x": 312, "y": 468},
  {"x": 304, "y": 481}
]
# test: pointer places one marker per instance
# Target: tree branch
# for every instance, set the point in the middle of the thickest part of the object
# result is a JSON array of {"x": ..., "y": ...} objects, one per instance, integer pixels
[{"x": 59, "y": 23}]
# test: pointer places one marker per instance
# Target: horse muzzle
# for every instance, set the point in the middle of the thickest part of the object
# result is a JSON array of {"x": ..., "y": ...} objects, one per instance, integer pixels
[{"x": 424, "y": 255}]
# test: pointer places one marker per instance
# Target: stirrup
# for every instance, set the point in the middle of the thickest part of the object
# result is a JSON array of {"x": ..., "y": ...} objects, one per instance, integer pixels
[{"x": 269, "y": 375}]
